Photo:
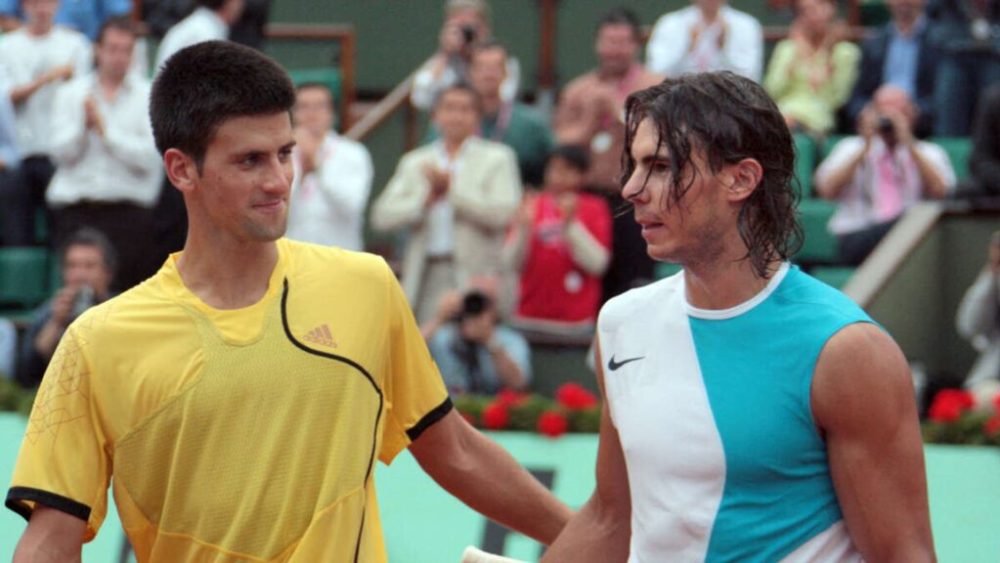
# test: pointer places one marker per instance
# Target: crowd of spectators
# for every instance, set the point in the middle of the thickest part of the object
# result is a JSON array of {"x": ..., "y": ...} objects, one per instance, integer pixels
[{"x": 500, "y": 191}]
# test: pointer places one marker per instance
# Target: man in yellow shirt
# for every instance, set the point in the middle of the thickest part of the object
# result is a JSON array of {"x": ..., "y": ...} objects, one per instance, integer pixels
[{"x": 241, "y": 396}]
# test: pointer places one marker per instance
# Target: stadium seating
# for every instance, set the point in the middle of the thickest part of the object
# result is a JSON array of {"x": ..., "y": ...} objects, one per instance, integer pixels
[{"x": 24, "y": 278}]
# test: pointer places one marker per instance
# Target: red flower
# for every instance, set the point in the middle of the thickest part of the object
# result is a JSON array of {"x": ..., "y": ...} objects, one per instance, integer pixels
[
  {"x": 574, "y": 397},
  {"x": 509, "y": 398},
  {"x": 992, "y": 426},
  {"x": 552, "y": 424},
  {"x": 996, "y": 403},
  {"x": 495, "y": 416},
  {"x": 949, "y": 404}
]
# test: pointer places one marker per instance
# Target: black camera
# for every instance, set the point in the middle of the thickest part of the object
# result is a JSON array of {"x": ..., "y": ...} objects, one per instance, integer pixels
[
  {"x": 885, "y": 126},
  {"x": 474, "y": 303},
  {"x": 468, "y": 34}
]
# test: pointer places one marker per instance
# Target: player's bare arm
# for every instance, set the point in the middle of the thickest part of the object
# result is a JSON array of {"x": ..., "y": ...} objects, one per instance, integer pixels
[
  {"x": 481, "y": 474},
  {"x": 51, "y": 536},
  {"x": 863, "y": 401},
  {"x": 600, "y": 531}
]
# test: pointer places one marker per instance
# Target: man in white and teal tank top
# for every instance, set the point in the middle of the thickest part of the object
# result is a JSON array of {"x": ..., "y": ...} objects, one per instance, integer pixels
[{"x": 752, "y": 412}]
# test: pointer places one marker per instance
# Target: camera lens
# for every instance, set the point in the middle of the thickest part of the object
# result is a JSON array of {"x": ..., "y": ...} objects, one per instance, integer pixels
[
  {"x": 468, "y": 33},
  {"x": 885, "y": 126}
]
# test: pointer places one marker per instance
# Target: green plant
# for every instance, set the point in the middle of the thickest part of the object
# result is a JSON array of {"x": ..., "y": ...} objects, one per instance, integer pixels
[
  {"x": 574, "y": 409},
  {"x": 955, "y": 418}
]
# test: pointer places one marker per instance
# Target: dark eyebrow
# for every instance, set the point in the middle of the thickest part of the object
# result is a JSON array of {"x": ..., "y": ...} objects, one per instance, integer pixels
[{"x": 288, "y": 146}]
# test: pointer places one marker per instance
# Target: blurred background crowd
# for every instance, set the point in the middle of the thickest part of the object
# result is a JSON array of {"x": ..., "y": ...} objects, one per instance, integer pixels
[{"x": 486, "y": 171}]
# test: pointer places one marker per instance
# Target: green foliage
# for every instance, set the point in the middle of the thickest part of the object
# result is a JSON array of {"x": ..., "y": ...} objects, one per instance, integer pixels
[{"x": 13, "y": 398}]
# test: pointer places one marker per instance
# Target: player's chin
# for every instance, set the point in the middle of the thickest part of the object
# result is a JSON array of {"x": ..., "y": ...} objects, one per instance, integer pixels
[{"x": 268, "y": 231}]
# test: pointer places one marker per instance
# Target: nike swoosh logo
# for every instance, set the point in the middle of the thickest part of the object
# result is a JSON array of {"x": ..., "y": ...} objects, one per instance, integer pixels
[{"x": 613, "y": 365}]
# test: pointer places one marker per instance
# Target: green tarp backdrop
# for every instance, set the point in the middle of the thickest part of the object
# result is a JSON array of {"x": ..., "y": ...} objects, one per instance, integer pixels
[{"x": 423, "y": 524}]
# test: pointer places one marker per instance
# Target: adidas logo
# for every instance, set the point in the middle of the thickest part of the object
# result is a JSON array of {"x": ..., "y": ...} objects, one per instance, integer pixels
[{"x": 321, "y": 335}]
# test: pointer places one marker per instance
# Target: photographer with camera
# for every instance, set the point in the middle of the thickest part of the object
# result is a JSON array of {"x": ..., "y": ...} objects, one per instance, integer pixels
[
  {"x": 466, "y": 25},
  {"x": 877, "y": 174},
  {"x": 88, "y": 266},
  {"x": 475, "y": 353}
]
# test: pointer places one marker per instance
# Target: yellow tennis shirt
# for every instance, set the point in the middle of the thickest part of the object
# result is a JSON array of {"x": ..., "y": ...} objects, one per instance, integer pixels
[{"x": 236, "y": 435}]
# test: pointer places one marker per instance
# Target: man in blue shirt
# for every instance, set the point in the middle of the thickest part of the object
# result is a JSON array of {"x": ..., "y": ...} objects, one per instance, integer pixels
[{"x": 901, "y": 54}]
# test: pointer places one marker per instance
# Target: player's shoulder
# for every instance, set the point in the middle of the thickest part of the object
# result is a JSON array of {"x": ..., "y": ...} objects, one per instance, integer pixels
[
  {"x": 631, "y": 305},
  {"x": 308, "y": 259},
  {"x": 123, "y": 313},
  {"x": 799, "y": 289}
]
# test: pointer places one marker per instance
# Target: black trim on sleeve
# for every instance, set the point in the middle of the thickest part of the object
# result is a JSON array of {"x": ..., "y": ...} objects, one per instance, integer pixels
[
  {"x": 430, "y": 418},
  {"x": 16, "y": 496}
]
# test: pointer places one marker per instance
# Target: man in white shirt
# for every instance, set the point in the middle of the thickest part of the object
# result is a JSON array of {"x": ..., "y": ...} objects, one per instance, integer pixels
[
  {"x": 38, "y": 57},
  {"x": 209, "y": 21},
  {"x": 706, "y": 36},
  {"x": 878, "y": 174},
  {"x": 333, "y": 175},
  {"x": 456, "y": 197},
  {"x": 109, "y": 173}
]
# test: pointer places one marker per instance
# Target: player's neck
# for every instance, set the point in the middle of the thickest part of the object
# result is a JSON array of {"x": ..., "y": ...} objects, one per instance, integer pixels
[
  {"x": 722, "y": 283},
  {"x": 226, "y": 274}
]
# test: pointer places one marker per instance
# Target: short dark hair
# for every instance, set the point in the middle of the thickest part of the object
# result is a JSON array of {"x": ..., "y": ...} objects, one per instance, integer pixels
[
  {"x": 730, "y": 118},
  {"x": 121, "y": 23},
  {"x": 621, "y": 16},
  {"x": 202, "y": 86},
  {"x": 574, "y": 155},
  {"x": 88, "y": 236},
  {"x": 460, "y": 86}
]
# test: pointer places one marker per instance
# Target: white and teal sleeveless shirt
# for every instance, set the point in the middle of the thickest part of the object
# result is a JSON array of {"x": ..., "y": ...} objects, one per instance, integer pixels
[{"x": 725, "y": 462}]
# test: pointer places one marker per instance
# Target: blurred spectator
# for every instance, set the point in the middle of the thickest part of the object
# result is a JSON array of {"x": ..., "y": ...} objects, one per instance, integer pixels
[
  {"x": 876, "y": 175},
  {"x": 88, "y": 266},
  {"x": 560, "y": 245},
  {"x": 706, "y": 36},
  {"x": 456, "y": 197},
  {"x": 590, "y": 114},
  {"x": 10, "y": 162},
  {"x": 466, "y": 24},
  {"x": 475, "y": 353},
  {"x": 160, "y": 15},
  {"x": 984, "y": 162},
  {"x": 978, "y": 321},
  {"x": 333, "y": 175},
  {"x": 811, "y": 73},
  {"x": 506, "y": 121},
  {"x": 592, "y": 105},
  {"x": 251, "y": 26},
  {"x": 967, "y": 32},
  {"x": 109, "y": 172},
  {"x": 210, "y": 20},
  {"x": 904, "y": 55},
  {"x": 8, "y": 348},
  {"x": 85, "y": 16},
  {"x": 37, "y": 57}
]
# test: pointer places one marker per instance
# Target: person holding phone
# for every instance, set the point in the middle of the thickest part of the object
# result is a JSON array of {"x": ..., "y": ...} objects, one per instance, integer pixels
[{"x": 88, "y": 263}]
